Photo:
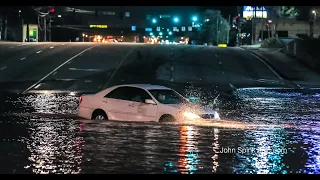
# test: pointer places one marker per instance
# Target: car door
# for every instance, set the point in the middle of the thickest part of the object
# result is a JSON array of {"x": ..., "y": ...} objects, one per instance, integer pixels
[
  {"x": 116, "y": 104},
  {"x": 138, "y": 109}
]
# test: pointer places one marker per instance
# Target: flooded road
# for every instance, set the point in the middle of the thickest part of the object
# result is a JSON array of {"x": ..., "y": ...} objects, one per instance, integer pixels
[{"x": 39, "y": 133}]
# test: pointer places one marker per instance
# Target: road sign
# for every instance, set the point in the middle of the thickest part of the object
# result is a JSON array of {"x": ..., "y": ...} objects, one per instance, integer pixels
[
  {"x": 133, "y": 28},
  {"x": 148, "y": 29},
  {"x": 183, "y": 28},
  {"x": 158, "y": 28},
  {"x": 175, "y": 29},
  {"x": 189, "y": 28}
]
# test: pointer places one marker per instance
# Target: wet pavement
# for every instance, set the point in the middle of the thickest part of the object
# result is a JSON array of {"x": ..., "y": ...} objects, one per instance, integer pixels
[{"x": 41, "y": 134}]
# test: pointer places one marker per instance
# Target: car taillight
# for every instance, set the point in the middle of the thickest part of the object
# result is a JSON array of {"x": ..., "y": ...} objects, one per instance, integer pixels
[{"x": 80, "y": 99}]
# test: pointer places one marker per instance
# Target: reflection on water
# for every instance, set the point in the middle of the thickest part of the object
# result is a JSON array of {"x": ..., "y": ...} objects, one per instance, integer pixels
[
  {"x": 188, "y": 162},
  {"x": 54, "y": 146}
]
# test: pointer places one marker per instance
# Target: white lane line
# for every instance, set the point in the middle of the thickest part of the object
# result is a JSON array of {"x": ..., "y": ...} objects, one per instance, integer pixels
[
  {"x": 54, "y": 73},
  {"x": 119, "y": 65},
  {"x": 51, "y": 47},
  {"x": 22, "y": 58},
  {"x": 3, "y": 68},
  {"x": 37, "y": 86},
  {"x": 39, "y": 52},
  {"x": 33, "y": 85},
  {"x": 270, "y": 68},
  {"x": 77, "y": 69},
  {"x": 87, "y": 81},
  {"x": 66, "y": 79}
]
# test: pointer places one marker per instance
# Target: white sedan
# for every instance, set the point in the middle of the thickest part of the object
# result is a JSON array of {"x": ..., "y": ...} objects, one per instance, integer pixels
[{"x": 141, "y": 102}]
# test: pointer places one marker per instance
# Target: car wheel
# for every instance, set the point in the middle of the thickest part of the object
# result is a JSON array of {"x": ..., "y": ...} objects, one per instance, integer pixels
[
  {"x": 166, "y": 118},
  {"x": 99, "y": 116}
]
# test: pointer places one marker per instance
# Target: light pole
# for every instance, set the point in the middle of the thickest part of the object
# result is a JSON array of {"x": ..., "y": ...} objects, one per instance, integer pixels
[
  {"x": 312, "y": 22},
  {"x": 83, "y": 35}
]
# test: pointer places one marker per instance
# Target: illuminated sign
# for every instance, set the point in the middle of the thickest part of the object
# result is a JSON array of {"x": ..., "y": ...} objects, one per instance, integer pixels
[
  {"x": 98, "y": 26},
  {"x": 250, "y": 12},
  {"x": 148, "y": 29},
  {"x": 133, "y": 28}
]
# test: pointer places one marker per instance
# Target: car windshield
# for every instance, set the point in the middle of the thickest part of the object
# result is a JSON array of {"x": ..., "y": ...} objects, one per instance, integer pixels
[{"x": 167, "y": 96}]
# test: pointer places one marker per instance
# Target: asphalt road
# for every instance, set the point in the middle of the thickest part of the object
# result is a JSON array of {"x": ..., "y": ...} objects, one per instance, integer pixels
[{"x": 90, "y": 67}]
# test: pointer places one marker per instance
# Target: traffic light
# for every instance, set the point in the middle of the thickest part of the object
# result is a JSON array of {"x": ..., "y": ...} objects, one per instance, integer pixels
[
  {"x": 237, "y": 19},
  {"x": 52, "y": 10}
]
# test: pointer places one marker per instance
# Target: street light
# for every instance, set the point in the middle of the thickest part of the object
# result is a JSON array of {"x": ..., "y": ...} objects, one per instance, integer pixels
[
  {"x": 83, "y": 37},
  {"x": 176, "y": 19},
  {"x": 160, "y": 34},
  {"x": 194, "y": 18},
  {"x": 151, "y": 34},
  {"x": 170, "y": 33},
  {"x": 154, "y": 21},
  {"x": 313, "y": 12},
  {"x": 86, "y": 35}
]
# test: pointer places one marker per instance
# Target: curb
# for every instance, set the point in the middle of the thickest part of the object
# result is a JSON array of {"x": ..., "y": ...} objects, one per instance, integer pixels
[{"x": 272, "y": 66}]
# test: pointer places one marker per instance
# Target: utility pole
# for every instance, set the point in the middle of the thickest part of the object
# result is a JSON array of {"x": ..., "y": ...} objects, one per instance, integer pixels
[
  {"x": 49, "y": 28},
  {"x": 22, "y": 31},
  {"x": 217, "y": 28},
  {"x": 228, "y": 34},
  {"x": 4, "y": 26},
  {"x": 45, "y": 28},
  {"x": 262, "y": 23},
  {"x": 253, "y": 33}
]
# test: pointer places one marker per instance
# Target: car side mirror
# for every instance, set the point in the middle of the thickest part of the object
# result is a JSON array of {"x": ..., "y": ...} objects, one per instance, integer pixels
[{"x": 149, "y": 101}]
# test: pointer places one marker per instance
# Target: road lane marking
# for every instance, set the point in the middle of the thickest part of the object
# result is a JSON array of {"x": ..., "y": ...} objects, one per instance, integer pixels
[
  {"x": 37, "y": 86},
  {"x": 4, "y": 67},
  {"x": 87, "y": 81},
  {"x": 39, "y": 52},
  {"x": 77, "y": 69},
  {"x": 54, "y": 73},
  {"x": 51, "y": 47},
  {"x": 66, "y": 79},
  {"x": 22, "y": 58},
  {"x": 270, "y": 68},
  {"x": 33, "y": 85},
  {"x": 119, "y": 65}
]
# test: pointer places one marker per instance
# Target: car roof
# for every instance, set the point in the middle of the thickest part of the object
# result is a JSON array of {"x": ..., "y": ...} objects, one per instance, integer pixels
[{"x": 145, "y": 86}]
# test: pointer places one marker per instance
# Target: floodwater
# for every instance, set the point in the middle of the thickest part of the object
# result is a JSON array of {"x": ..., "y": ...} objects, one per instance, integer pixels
[{"x": 39, "y": 133}]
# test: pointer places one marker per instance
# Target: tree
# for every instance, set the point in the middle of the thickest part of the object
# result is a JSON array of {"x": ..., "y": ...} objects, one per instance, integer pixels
[
  {"x": 287, "y": 11},
  {"x": 215, "y": 28}
]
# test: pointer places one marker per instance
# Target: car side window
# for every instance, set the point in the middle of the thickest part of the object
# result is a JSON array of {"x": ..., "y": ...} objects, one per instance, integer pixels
[
  {"x": 138, "y": 95},
  {"x": 122, "y": 93}
]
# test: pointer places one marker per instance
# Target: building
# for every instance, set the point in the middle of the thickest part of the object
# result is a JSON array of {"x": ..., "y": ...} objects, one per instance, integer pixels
[
  {"x": 263, "y": 22},
  {"x": 126, "y": 20}
]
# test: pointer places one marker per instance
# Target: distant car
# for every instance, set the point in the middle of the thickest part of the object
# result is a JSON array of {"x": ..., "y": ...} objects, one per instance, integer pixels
[{"x": 141, "y": 102}]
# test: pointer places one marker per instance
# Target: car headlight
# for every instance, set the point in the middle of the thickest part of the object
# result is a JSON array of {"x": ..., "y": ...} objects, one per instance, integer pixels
[
  {"x": 191, "y": 115},
  {"x": 216, "y": 115}
]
